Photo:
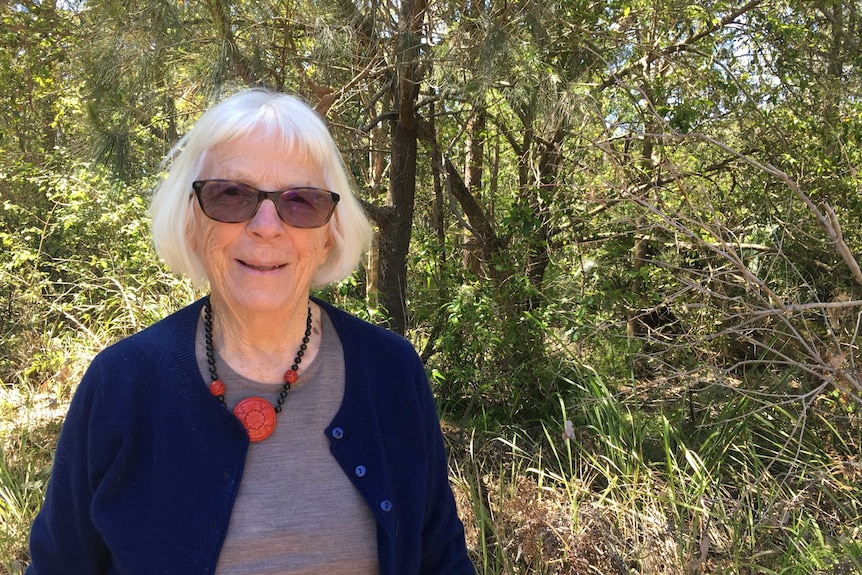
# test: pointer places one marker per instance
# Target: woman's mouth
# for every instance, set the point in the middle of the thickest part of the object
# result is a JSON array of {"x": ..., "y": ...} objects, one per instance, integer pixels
[{"x": 262, "y": 267}]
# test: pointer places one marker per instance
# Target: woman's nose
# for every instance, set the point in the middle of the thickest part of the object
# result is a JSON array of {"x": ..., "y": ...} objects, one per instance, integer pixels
[{"x": 266, "y": 221}]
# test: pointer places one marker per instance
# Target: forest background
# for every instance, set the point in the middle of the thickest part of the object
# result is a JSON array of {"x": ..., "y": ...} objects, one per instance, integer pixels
[{"x": 623, "y": 235}]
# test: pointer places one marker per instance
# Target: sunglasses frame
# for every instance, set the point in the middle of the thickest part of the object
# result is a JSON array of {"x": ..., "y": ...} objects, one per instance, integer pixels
[{"x": 274, "y": 196}]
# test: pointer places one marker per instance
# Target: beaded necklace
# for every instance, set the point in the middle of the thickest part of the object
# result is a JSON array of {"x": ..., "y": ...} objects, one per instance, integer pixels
[{"x": 256, "y": 414}]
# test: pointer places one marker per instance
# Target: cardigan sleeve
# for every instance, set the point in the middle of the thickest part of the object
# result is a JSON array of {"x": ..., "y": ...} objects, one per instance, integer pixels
[
  {"x": 443, "y": 545},
  {"x": 64, "y": 538}
]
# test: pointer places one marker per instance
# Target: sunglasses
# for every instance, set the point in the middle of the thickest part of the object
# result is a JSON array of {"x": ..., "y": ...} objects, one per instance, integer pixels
[{"x": 232, "y": 202}]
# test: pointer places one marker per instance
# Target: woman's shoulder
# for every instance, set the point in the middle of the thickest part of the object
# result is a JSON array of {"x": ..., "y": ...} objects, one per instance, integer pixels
[{"x": 142, "y": 364}]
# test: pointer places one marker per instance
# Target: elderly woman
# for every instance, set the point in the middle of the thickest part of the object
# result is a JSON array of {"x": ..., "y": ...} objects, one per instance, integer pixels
[{"x": 258, "y": 430}]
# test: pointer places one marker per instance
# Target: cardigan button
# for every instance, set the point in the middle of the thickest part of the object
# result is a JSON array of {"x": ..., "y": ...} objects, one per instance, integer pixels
[
  {"x": 386, "y": 505},
  {"x": 360, "y": 471},
  {"x": 337, "y": 433}
]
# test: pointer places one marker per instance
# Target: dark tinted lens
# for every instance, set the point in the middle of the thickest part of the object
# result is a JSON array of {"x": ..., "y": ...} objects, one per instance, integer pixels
[
  {"x": 227, "y": 201},
  {"x": 305, "y": 207}
]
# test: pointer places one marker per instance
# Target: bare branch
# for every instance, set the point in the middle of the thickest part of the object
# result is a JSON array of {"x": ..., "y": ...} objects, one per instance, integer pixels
[
  {"x": 332, "y": 96},
  {"x": 828, "y": 222}
]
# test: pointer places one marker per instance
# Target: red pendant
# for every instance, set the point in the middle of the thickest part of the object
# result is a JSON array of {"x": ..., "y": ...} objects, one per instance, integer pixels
[{"x": 257, "y": 416}]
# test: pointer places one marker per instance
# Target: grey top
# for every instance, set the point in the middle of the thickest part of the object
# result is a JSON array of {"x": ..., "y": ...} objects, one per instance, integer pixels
[{"x": 296, "y": 511}]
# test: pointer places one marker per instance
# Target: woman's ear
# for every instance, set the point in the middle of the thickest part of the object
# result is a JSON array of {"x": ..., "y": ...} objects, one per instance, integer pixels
[
  {"x": 330, "y": 239},
  {"x": 191, "y": 227}
]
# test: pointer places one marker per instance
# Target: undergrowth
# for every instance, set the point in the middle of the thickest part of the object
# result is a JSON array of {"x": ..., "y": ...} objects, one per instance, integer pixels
[
  {"x": 612, "y": 492},
  {"x": 742, "y": 495}
]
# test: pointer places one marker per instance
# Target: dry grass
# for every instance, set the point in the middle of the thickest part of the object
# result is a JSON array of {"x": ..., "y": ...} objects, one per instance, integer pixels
[
  {"x": 31, "y": 415},
  {"x": 541, "y": 530},
  {"x": 565, "y": 508}
]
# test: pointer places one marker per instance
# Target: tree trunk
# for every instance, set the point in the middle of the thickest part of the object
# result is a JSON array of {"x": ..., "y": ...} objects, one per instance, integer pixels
[
  {"x": 396, "y": 228},
  {"x": 397, "y": 224},
  {"x": 377, "y": 169},
  {"x": 473, "y": 180}
]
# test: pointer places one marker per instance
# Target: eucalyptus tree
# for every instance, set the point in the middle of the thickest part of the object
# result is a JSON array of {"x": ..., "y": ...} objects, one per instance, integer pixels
[
  {"x": 387, "y": 80},
  {"x": 507, "y": 75}
]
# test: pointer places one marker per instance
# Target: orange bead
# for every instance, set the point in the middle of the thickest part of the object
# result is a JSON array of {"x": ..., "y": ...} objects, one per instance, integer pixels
[{"x": 217, "y": 388}]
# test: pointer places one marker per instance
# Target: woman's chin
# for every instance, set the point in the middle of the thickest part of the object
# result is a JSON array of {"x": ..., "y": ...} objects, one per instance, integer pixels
[{"x": 259, "y": 299}]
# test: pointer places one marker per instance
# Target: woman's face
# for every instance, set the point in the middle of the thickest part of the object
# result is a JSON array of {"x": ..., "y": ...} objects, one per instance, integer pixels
[{"x": 262, "y": 264}]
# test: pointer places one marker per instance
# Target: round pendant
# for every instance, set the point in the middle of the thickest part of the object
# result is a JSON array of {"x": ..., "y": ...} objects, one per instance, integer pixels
[{"x": 257, "y": 416}]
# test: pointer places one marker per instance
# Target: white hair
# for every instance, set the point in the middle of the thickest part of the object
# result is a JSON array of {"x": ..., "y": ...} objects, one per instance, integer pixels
[{"x": 289, "y": 122}]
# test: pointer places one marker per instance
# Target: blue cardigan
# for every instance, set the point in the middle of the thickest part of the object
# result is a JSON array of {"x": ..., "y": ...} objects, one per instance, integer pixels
[{"x": 148, "y": 463}]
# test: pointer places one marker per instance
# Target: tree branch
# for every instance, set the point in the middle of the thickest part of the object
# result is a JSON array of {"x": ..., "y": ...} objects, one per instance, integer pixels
[
  {"x": 678, "y": 47},
  {"x": 332, "y": 96},
  {"x": 828, "y": 222}
]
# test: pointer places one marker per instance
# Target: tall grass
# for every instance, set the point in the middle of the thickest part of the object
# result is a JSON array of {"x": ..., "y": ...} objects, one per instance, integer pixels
[
  {"x": 761, "y": 489},
  {"x": 30, "y": 420},
  {"x": 56, "y": 333},
  {"x": 744, "y": 495}
]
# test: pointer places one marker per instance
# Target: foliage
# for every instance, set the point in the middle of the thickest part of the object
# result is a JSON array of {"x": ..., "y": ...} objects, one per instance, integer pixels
[
  {"x": 78, "y": 260},
  {"x": 664, "y": 192},
  {"x": 28, "y": 431}
]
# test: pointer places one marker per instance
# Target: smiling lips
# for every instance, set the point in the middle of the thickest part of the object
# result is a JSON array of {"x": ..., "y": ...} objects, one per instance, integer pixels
[{"x": 263, "y": 268}]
